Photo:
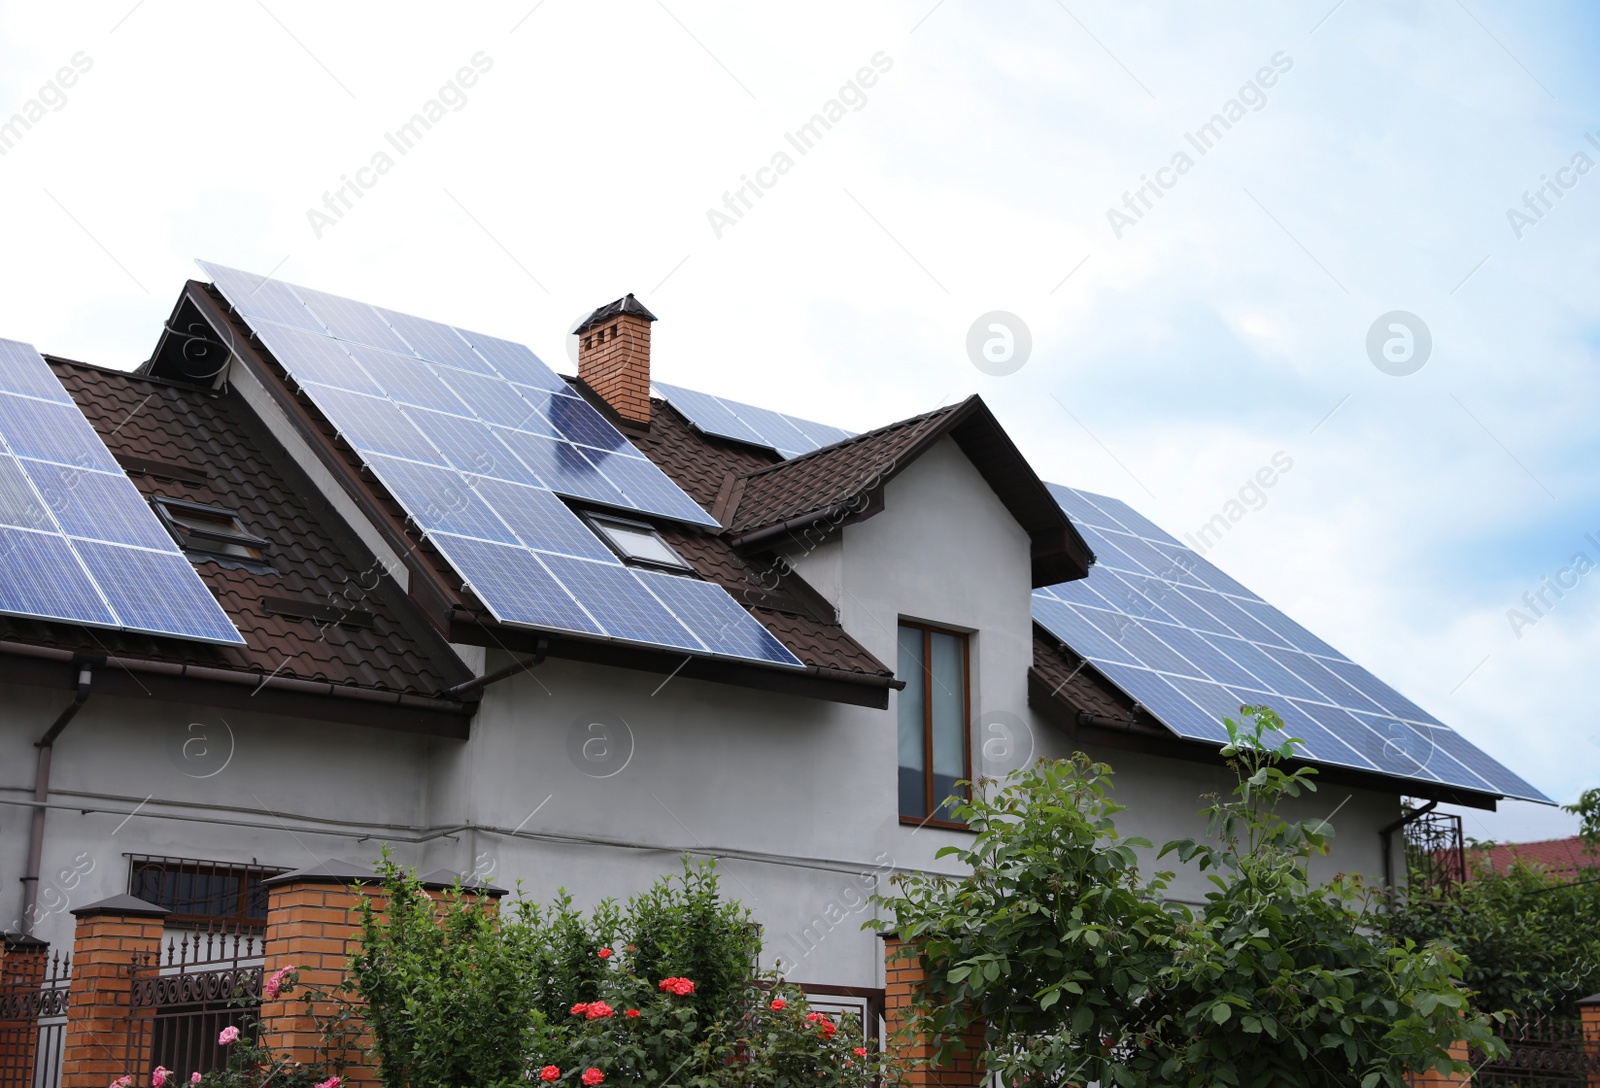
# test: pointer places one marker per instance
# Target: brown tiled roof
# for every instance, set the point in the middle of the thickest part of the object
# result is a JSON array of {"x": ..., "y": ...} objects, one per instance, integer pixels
[
  {"x": 844, "y": 482},
  {"x": 314, "y": 558},
  {"x": 819, "y": 481}
]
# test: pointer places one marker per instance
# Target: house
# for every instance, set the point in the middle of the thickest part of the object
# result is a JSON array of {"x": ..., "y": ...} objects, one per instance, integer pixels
[
  {"x": 1566, "y": 859},
  {"x": 546, "y": 631}
]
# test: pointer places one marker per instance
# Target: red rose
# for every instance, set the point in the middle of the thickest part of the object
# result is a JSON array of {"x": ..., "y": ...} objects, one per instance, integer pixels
[
  {"x": 580, "y": 1008},
  {"x": 549, "y": 1073},
  {"x": 598, "y": 1010},
  {"x": 592, "y": 1076},
  {"x": 779, "y": 1003},
  {"x": 632, "y": 1014},
  {"x": 677, "y": 985},
  {"x": 861, "y": 1052},
  {"x": 604, "y": 953}
]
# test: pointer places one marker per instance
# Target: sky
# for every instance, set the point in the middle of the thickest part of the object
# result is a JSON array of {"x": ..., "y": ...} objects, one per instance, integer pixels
[{"x": 1380, "y": 267}]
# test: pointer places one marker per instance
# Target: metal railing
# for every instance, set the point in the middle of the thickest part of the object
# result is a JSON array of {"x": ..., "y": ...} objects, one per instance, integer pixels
[
  {"x": 33, "y": 1020},
  {"x": 1544, "y": 1054},
  {"x": 182, "y": 997}
]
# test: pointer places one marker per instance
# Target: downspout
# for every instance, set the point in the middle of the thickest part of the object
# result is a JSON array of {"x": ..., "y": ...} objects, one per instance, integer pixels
[
  {"x": 1387, "y": 835},
  {"x": 477, "y": 683},
  {"x": 41, "y": 790}
]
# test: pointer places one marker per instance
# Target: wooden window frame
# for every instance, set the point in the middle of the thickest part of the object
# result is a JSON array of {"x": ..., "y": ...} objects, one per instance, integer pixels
[{"x": 931, "y": 802}]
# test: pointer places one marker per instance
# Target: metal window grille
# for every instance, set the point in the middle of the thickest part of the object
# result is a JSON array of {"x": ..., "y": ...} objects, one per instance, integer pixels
[{"x": 202, "y": 893}]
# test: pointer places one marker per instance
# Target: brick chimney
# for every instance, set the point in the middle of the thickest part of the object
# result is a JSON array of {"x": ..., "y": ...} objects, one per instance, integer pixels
[{"x": 614, "y": 356}]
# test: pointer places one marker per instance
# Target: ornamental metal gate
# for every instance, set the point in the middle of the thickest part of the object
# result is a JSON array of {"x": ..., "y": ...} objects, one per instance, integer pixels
[
  {"x": 1544, "y": 1054},
  {"x": 180, "y": 1001},
  {"x": 33, "y": 1019}
]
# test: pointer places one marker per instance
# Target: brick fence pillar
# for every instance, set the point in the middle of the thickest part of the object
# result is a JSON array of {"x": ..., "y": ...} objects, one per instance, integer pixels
[
  {"x": 1432, "y": 1078},
  {"x": 22, "y": 969},
  {"x": 903, "y": 977},
  {"x": 1589, "y": 1010},
  {"x": 110, "y": 936},
  {"x": 313, "y": 924}
]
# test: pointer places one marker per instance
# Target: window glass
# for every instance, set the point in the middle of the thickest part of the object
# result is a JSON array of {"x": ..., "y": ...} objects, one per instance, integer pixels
[
  {"x": 947, "y": 673},
  {"x": 913, "y": 740}
]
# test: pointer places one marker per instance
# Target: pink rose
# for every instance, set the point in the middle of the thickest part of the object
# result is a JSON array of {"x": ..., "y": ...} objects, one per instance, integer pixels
[
  {"x": 228, "y": 1035},
  {"x": 194, "y": 1078},
  {"x": 270, "y": 990},
  {"x": 331, "y": 1082},
  {"x": 159, "y": 1075},
  {"x": 123, "y": 1082}
]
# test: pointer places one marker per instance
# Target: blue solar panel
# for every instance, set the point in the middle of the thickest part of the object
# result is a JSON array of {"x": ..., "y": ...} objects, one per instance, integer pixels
[
  {"x": 612, "y": 595},
  {"x": 320, "y": 358},
  {"x": 1191, "y": 645},
  {"x": 495, "y": 401},
  {"x": 47, "y": 431},
  {"x": 21, "y": 507},
  {"x": 20, "y": 373},
  {"x": 790, "y": 436},
  {"x": 716, "y": 618},
  {"x": 540, "y": 520},
  {"x": 439, "y": 499},
  {"x": 98, "y": 506},
  {"x": 410, "y": 381},
  {"x": 259, "y": 298},
  {"x": 60, "y": 493},
  {"x": 157, "y": 592},
  {"x": 514, "y": 585},
  {"x": 468, "y": 446},
  {"x": 40, "y": 576},
  {"x": 475, "y": 437},
  {"x": 354, "y": 322},
  {"x": 374, "y": 424}
]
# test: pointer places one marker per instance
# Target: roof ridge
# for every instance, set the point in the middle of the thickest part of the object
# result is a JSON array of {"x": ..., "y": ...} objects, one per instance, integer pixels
[{"x": 864, "y": 435}]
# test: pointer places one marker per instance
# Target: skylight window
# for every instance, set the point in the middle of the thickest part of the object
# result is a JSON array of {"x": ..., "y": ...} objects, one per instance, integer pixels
[
  {"x": 637, "y": 542},
  {"x": 209, "y": 529}
]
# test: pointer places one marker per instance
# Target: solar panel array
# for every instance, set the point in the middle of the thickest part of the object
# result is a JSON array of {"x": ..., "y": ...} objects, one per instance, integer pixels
[
  {"x": 789, "y": 435},
  {"x": 78, "y": 543},
  {"x": 475, "y": 437},
  {"x": 1192, "y": 645}
]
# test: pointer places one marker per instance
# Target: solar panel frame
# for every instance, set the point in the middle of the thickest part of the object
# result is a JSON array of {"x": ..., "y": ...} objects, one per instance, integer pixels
[
  {"x": 19, "y": 374},
  {"x": 156, "y": 591},
  {"x": 1191, "y": 644}
]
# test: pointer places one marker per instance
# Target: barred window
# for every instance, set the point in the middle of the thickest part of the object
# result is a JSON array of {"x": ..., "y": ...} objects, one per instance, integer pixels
[{"x": 202, "y": 893}]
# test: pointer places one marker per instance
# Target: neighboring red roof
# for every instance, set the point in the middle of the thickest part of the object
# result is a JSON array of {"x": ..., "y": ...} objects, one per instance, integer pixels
[{"x": 1558, "y": 857}]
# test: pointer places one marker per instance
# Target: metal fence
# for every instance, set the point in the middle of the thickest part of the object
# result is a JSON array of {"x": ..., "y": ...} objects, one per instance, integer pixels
[
  {"x": 33, "y": 1021},
  {"x": 1544, "y": 1054},
  {"x": 180, "y": 1000}
]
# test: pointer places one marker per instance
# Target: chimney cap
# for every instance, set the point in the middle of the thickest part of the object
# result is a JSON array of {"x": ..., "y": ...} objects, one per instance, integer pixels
[{"x": 625, "y": 305}]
